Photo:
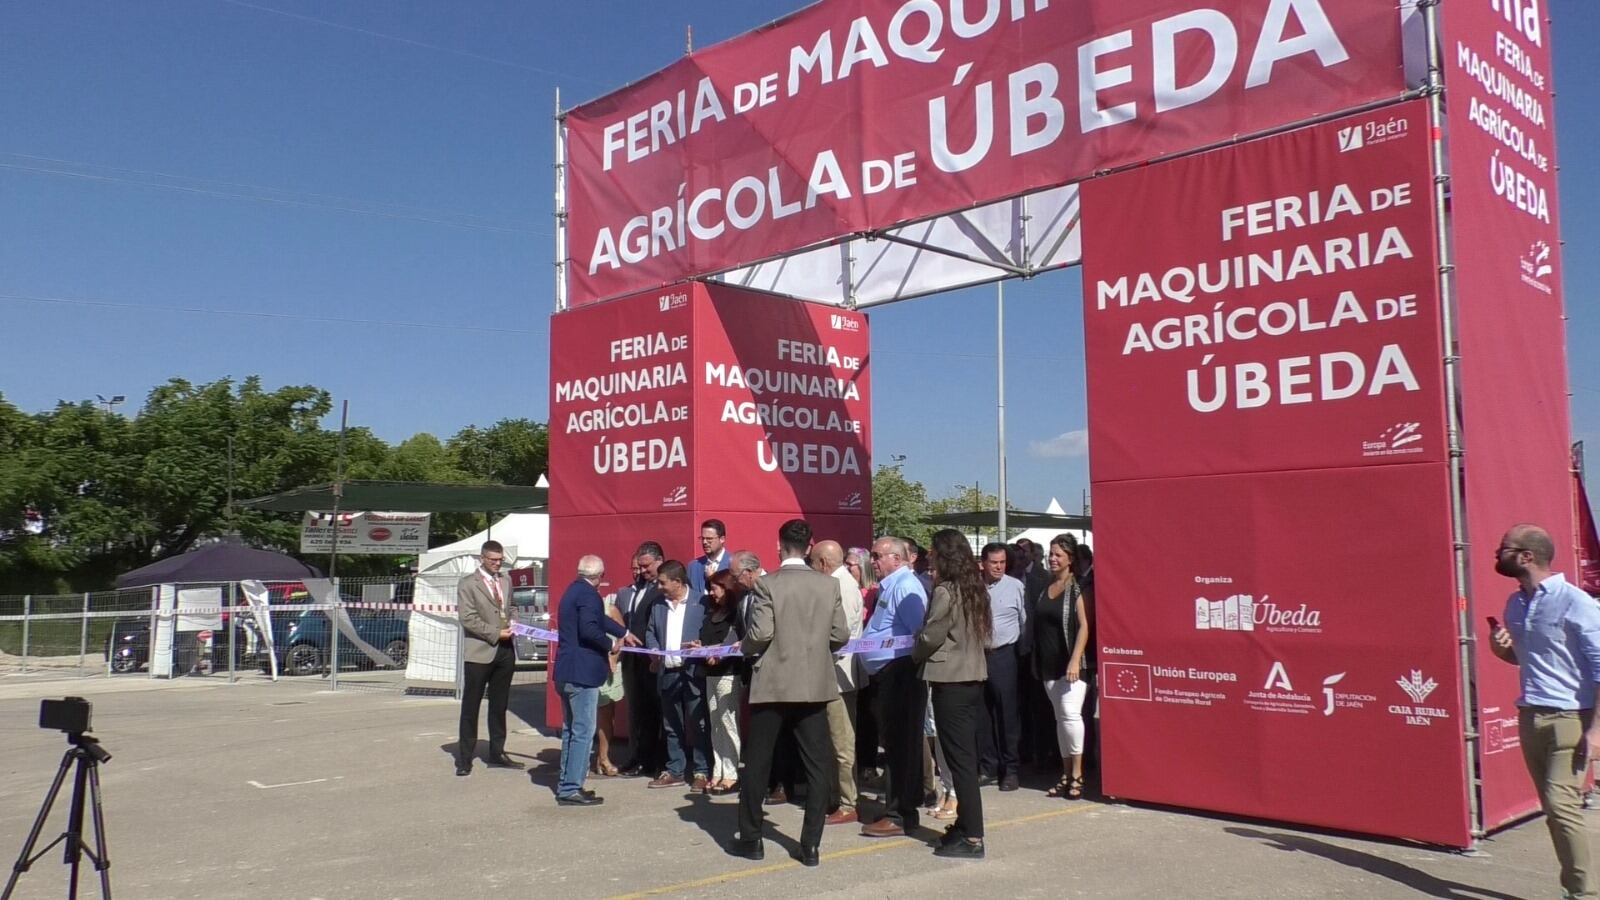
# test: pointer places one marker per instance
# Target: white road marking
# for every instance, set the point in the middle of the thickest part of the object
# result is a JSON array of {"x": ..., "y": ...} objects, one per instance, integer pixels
[{"x": 268, "y": 787}]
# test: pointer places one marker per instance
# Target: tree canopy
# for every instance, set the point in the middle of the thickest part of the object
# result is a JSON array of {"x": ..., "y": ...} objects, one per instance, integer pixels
[{"x": 86, "y": 493}]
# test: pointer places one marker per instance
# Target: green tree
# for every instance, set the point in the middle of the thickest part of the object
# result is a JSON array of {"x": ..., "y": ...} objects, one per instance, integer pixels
[
  {"x": 899, "y": 505},
  {"x": 511, "y": 451}
]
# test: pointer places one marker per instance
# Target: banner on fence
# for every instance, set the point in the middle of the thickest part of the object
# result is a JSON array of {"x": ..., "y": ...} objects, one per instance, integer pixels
[{"x": 365, "y": 532}]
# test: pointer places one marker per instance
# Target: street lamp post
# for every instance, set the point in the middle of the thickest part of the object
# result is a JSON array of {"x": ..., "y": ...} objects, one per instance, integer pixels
[{"x": 111, "y": 401}]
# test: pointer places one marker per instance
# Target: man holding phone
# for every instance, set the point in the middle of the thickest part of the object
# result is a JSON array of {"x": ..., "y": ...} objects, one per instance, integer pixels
[{"x": 1552, "y": 634}]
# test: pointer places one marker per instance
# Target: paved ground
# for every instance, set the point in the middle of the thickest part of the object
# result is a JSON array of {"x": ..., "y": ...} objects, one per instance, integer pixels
[{"x": 285, "y": 790}]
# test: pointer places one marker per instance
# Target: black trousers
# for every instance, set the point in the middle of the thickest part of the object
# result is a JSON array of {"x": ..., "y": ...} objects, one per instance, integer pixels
[
  {"x": 493, "y": 678},
  {"x": 808, "y": 722},
  {"x": 957, "y": 710},
  {"x": 647, "y": 746},
  {"x": 1001, "y": 729},
  {"x": 902, "y": 700},
  {"x": 866, "y": 727}
]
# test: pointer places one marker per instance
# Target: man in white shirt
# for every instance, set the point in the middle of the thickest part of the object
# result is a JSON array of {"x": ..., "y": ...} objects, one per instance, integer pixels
[
  {"x": 674, "y": 624},
  {"x": 827, "y": 557}
]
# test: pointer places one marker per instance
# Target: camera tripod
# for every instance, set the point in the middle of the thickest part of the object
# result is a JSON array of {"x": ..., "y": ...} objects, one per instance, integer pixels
[{"x": 88, "y": 754}]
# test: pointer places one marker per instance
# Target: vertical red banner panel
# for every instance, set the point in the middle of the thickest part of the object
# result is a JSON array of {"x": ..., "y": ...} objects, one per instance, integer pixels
[
  {"x": 1515, "y": 419},
  {"x": 1267, "y": 446},
  {"x": 700, "y": 401}
]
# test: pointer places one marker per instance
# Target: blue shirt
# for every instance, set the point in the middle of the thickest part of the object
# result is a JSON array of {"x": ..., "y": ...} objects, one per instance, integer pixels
[
  {"x": 1007, "y": 609},
  {"x": 902, "y": 605},
  {"x": 1556, "y": 634}
]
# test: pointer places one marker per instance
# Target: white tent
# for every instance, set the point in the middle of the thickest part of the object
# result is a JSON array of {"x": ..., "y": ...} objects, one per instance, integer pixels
[
  {"x": 1044, "y": 536},
  {"x": 434, "y": 637}
]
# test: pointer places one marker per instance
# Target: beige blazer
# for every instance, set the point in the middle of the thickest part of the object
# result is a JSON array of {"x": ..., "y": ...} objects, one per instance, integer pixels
[
  {"x": 481, "y": 618},
  {"x": 945, "y": 647},
  {"x": 848, "y": 668},
  {"x": 796, "y": 622}
]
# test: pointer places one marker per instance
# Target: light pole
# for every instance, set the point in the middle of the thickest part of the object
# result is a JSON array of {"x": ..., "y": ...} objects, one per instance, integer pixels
[{"x": 111, "y": 401}]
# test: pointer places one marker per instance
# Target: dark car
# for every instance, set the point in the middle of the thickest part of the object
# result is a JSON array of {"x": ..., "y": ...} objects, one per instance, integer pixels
[{"x": 303, "y": 645}]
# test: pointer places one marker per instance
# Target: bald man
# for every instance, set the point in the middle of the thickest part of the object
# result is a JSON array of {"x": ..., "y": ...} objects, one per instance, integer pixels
[
  {"x": 827, "y": 557},
  {"x": 1552, "y": 634}
]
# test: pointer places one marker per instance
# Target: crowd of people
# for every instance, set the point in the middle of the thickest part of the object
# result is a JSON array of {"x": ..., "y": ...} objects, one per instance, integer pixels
[{"x": 980, "y": 665}]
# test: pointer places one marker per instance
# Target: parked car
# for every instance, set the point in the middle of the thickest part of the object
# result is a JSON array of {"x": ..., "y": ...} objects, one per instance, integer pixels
[
  {"x": 531, "y": 606},
  {"x": 303, "y": 646}
]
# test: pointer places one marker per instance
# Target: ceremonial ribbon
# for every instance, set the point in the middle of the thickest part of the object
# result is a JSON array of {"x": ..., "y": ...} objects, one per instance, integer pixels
[{"x": 860, "y": 645}]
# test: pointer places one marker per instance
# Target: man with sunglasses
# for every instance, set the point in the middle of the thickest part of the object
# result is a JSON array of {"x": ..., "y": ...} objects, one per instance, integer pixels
[
  {"x": 901, "y": 696},
  {"x": 1552, "y": 634}
]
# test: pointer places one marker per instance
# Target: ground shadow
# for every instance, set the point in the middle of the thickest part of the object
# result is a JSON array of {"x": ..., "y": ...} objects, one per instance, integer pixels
[
  {"x": 480, "y": 758},
  {"x": 527, "y": 704},
  {"x": 1411, "y": 877},
  {"x": 720, "y": 822}
]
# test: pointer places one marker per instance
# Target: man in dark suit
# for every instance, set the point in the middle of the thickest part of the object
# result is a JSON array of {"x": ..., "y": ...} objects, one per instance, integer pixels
[
  {"x": 714, "y": 541},
  {"x": 582, "y": 666},
  {"x": 796, "y": 624},
  {"x": 675, "y": 625},
  {"x": 483, "y": 606},
  {"x": 647, "y": 751}
]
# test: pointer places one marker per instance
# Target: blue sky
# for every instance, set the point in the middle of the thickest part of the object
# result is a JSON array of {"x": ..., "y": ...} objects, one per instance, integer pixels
[{"x": 338, "y": 164}]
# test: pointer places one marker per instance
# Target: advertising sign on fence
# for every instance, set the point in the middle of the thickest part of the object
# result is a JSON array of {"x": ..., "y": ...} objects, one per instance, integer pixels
[
  {"x": 365, "y": 532},
  {"x": 1256, "y": 363},
  {"x": 852, "y": 115},
  {"x": 1500, "y": 104}
]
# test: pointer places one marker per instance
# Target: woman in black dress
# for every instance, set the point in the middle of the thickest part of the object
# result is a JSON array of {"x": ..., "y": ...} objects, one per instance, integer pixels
[{"x": 1059, "y": 617}]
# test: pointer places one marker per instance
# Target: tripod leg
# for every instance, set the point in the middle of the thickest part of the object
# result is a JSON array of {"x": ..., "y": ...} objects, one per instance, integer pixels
[
  {"x": 74, "y": 848},
  {"x": 102, "y": 861},
  {"x": 25, "y": 858}
]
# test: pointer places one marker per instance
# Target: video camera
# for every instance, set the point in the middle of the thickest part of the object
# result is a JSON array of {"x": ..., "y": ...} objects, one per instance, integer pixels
[{"x": 69, "y": 714}]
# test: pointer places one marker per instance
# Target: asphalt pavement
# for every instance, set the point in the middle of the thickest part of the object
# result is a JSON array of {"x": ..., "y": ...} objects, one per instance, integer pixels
[{"x": 287, "y": 790}]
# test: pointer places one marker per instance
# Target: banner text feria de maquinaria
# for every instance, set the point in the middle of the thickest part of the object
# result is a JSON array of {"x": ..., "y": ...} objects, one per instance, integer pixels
[{"x": 883, "y": 112}]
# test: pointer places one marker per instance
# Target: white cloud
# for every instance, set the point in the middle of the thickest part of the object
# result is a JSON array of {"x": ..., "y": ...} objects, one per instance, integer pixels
[{"x": 1062, "y": 446}]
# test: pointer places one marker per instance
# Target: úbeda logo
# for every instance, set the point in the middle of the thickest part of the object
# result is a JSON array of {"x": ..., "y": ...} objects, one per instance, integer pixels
[
  {"x": 1366, "y": 134},
  {"x": 841, "y": 322},
  {"x": 678, "y": 496},
  {"x": 1243, "y": 612},
  {"x": 1399, "y": 439},
  {"x": 851, "y": 500},
  {"x": 1536, "y": 267}
]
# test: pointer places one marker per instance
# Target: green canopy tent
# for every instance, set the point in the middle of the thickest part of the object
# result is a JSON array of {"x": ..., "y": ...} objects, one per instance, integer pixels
[{"x": 409, "y": 496}]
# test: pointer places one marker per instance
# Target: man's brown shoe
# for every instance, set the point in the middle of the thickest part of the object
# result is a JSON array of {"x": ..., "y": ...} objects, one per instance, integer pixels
[
  {"x": 884, "y": 827},
  {"x": 698, "y": 786},
  {"x": 666, "y": 780},
  {"x": 777, "y": 798},
  {"x": 842, "y": 817}
]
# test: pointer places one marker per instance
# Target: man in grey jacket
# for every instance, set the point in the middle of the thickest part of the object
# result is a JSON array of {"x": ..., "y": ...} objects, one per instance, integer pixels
[
  {"x": 796, "y": 624},
  {"x": 483, "y": 604}
]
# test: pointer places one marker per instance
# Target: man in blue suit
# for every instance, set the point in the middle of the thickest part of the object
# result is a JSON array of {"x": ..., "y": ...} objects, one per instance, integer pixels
[
  {"x": 714, "y": 541},
  {"x": 675, "y": 625},
  {"x": 581, "y": 667}
]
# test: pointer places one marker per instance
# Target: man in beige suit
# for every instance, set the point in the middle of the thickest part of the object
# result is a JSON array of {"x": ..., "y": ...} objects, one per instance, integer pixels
[
  {"x": 796, "y": 623},
  {"x": 827, "y": 557},
  {"x": 483, "y": 604}
]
